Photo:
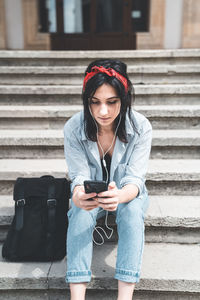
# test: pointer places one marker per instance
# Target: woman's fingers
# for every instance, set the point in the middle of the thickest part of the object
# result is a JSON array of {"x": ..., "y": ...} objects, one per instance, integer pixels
[
  {"x": 108, "y": 203},
  {"x": 85, "y": 196},
  {"x": 109, "y": 207},
  {"x": 88, "y": 204},
  {"x": 81, "y": 199},
  {"x": 112, "y": 185},
  {"x": 107, "y": 200},
  {"x": 108, "y": 194}
]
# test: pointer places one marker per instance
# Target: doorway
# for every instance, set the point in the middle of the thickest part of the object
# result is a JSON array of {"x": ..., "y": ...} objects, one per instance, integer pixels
[{"x": 93, "y": 24}]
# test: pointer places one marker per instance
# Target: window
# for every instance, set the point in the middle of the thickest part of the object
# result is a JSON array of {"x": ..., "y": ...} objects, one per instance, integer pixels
[
  {"x": 109, "y": 16},
  {"x": 75, "y": 15},
  {"x": 140, "y": 15}
]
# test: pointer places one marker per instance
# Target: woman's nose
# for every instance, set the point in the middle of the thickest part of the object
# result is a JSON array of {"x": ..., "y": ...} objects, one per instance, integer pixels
[{"x": 103, "y": 110}]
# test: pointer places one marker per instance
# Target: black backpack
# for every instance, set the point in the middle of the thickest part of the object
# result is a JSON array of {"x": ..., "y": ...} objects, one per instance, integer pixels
[{"x": 39, "y": 227}]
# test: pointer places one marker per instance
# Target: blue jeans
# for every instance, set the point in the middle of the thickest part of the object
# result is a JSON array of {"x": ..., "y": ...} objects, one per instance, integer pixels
[{"x": 130, "y": 226}]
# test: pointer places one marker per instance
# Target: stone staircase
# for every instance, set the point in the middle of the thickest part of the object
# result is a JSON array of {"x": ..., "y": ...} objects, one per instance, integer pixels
[{"x": 39, "y": 91}]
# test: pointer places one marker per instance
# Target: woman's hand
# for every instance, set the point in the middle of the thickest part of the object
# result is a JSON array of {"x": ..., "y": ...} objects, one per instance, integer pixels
[
  {"x": 109, "y": 200},
  {"x": 80, "y": 198}
]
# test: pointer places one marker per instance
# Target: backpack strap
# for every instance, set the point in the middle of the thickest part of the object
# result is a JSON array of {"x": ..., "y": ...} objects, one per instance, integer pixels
[
  {"x": 19, "y": 206},
  {"x": 51, "y": 220}
]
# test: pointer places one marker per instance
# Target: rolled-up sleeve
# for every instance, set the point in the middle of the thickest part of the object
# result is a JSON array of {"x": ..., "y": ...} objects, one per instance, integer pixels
[
  {"x": 78, "y": 168},
  {"x": 136, "y": 168}
]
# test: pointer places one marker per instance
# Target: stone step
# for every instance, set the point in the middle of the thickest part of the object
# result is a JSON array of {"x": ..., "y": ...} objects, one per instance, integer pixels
[
  {"x": 169, "y": 219},
  {"x": 175, "y": 144},
  {"x": 49, "y": 143},
  {"x": 171, "y": 177},
  {"x": 167, "y": 94},
  {"x": 72, "y": 75},
  {"x": 83, "y": 58},
  {"x": 168, "y": 272},
  {"x": 55, "y": 116}
]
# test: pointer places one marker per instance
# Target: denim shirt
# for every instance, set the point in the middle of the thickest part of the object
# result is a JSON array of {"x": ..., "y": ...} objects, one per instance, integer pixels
[{"x": 129, "y": 160}]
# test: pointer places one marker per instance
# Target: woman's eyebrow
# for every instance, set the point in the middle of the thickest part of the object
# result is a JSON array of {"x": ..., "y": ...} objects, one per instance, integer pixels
[{"x": 113, "y": 97}]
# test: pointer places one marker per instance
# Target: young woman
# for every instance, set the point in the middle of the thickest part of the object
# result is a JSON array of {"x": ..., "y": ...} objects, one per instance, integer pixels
[{"x": 110, "y": 141}]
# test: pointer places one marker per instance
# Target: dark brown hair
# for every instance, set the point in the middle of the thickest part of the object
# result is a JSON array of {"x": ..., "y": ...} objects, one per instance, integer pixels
[{"x": 126, "y": 97}]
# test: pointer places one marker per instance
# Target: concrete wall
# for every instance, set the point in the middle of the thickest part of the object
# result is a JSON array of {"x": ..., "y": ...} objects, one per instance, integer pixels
[
  {"x": 173, "y": 24},
  {"x": 2, "y": 26},
  {"x": 155, "y": 37},
  {"x": 14, "y": 24},
  {"x": 191, "y": 24}
]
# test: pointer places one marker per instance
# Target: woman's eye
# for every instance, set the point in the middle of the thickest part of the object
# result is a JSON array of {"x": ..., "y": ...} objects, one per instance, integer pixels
[
  {"x": 112, "y": 102},
  {"x": 94, "y": 102},
  {"x": 108, "y": 102}
]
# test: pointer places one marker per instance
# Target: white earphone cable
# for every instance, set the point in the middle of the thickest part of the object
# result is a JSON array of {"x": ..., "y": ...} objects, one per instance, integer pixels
[
  {"x": 105, "y": 166},
  {"x": 104, "y": 153}
]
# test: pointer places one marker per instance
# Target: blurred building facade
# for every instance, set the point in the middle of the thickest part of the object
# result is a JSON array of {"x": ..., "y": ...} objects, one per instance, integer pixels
[{"x": 99, "y": 24}]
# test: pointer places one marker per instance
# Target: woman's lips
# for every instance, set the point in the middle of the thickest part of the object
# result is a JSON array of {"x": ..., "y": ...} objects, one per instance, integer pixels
[{"x": 104, "y": 119}]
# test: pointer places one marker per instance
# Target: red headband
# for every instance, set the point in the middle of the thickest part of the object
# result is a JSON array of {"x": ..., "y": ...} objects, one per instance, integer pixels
[{"x": 110, "y": 72}]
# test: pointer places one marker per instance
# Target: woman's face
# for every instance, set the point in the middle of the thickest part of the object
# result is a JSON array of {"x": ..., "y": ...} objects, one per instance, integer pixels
[{"x": 105, "y": 106}]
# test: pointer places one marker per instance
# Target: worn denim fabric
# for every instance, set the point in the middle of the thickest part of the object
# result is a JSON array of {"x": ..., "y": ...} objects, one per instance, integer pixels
[{"x": 128, "y": 166}]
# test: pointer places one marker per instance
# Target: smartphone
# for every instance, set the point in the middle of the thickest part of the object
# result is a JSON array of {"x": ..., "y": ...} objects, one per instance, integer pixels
[{"x": 95, "y": 186}]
